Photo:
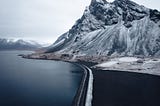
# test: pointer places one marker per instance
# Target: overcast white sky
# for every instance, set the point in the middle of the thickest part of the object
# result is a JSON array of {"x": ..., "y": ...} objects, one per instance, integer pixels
[{"x": 44, "y": 20}]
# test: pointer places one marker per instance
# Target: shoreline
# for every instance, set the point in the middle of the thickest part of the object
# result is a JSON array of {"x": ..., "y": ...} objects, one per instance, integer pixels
[
  {"x": 145, "y": 65},
  {"x": 96, "y": 71},
  {"x": 83, "y": 96}
]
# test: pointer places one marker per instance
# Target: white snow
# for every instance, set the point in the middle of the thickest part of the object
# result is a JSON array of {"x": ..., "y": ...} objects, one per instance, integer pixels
[
  {"x": 108, "y": 64},
  {"x": 59, "y": 43},
  {"x": 110, "y": 0},
  {"x": 100, "y": 36},
  {"x": 118, "y": 60},
  {"x": 128, "y": 59},
  {"x": 107, "y": 6},
  {"x": 132, "y": 64},
  {"x": 23, "y": 42},
  {"x": 99, "y": 1}
]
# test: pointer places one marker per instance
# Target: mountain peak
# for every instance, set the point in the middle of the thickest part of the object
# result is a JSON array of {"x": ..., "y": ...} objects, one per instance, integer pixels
[
  {"x": 98, "y": 1},
  {"x": 121, "y": 27}
]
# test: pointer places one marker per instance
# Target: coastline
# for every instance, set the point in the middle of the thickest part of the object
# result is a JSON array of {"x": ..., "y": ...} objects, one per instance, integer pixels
[
  {"x": 84, "y": 93},
  {"x": 146, "y": 65},
  {"x": 58, "y": 81},
  {"x": 83, "y": 96},
  {"x": 96, "y": 72}
]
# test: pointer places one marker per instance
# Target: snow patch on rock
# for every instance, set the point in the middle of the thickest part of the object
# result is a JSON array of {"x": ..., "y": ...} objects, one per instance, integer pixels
[
  {"x": 108, "y": 64},
  {"x": 128, "y": 59},
  {"x": 132, "y": 64}
]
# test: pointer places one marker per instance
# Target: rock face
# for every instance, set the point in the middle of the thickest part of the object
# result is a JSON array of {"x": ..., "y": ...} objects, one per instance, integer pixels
[
  {"x": 10, "y": 44},
  {"x": 118, "y": 28}
]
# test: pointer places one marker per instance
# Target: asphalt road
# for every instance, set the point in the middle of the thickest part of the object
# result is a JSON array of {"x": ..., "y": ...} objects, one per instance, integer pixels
[{"x": 80, "y": 98}]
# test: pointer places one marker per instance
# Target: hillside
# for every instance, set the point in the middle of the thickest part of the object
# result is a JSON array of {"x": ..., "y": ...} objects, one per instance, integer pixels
[{"x": 121, "y": 28}]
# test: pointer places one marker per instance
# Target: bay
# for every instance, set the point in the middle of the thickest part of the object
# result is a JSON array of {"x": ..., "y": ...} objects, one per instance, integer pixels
[{"x": 28, "y": 82}]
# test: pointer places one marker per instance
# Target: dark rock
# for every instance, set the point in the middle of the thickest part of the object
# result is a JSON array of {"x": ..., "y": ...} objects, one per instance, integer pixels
[
  {"x": 154, "y": 15},
  {"x": 128, "y": 25},
  {"x": 140, "y": 61}
]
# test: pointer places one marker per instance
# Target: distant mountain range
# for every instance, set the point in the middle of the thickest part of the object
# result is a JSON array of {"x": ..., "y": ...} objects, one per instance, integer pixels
[
  {"x": 122, "y": 27},
  {"x": 11, "y": 44}
]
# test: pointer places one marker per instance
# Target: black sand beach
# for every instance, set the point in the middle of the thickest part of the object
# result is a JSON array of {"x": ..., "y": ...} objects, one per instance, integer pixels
[{"x": 113, "y": 88}]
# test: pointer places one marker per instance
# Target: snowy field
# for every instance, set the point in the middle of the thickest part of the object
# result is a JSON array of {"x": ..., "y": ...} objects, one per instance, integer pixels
[{"x": 132, "y": 64}]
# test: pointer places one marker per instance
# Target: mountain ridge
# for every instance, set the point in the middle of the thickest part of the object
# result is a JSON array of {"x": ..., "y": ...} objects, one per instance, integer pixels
[
  {"x": 12, "y": 44},
  {"x": 121, "y": 27}
]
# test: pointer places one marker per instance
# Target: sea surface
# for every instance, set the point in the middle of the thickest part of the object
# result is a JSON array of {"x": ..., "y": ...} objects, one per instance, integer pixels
[{"x": 28, "y": 82}]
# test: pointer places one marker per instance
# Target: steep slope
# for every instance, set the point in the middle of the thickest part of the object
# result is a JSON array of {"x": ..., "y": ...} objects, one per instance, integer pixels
[
  {"x": 10, "y": 44},
  {"x": 118, "y": 28}
]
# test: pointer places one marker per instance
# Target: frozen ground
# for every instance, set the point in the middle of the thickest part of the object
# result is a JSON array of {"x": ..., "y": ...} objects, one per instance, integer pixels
[{"x": 132, "y": 64}]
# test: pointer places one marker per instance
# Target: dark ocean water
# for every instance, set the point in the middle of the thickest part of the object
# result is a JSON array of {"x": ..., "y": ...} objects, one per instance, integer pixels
[{"x": 27, "y": 82}]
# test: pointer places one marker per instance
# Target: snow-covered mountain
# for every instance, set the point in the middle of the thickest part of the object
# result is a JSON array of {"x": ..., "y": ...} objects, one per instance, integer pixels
[
  {"x": 11, "y": 44},
  {"x": 121, "y": 27}
]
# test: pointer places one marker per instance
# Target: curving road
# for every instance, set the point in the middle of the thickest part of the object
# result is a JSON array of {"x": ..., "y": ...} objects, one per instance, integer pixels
[
  {"x": 84, "y": 94},
  {"x": 115, "y": 88}
]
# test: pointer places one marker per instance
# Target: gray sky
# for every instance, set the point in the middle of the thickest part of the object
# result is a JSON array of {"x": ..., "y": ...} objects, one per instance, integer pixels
[{"x": 44, "y": 20}]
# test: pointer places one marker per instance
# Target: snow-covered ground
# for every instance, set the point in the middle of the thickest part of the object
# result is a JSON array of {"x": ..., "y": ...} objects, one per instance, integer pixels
[{"x": 132, "y": 64}]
